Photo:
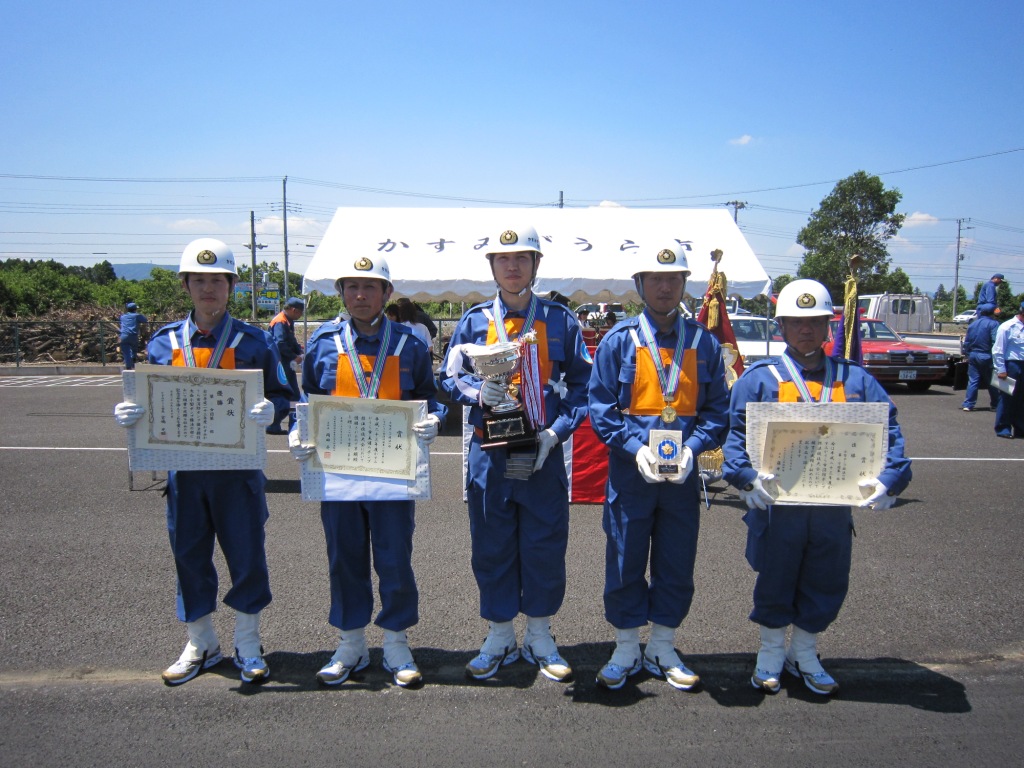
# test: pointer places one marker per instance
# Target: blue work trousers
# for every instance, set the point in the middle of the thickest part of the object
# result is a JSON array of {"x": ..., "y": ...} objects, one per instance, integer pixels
[
  {"x": 355, "y": 529},
  {"x": 979, "y": 374},
  {"x": 129, "y": 351},
  {"x": 519, "y": 531},
  {"x": 648, "y": 522},
  {"x": 228, "y": 507},
  {"x": 802, "y": 558},
  {"x": 1010, "y": 410}
]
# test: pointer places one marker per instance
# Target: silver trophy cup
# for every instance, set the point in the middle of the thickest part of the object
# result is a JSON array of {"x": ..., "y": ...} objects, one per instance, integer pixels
[{"x": 497, "y": 362}]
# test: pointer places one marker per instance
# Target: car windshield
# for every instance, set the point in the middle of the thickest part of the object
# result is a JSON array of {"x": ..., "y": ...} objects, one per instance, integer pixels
[
  {"x": 750, "y": 329},
  {"x": 873, "y": 329}
]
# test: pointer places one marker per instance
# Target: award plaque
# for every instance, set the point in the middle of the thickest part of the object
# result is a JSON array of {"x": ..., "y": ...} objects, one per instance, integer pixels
[
  {"x": 506, "y": 424},
  {"x": 667, "y": 446}
]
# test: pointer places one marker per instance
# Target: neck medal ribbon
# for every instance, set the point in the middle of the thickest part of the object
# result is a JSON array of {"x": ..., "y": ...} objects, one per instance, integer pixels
[
  {"x": 801, "y": 385},
  {"x": 669, "y": 379},
  {"x": 218, "y": 352},
  {"x": 368, "y": 389}
]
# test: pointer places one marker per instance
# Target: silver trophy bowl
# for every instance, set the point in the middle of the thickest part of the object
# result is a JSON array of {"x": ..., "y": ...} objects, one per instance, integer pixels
[{"x": 496, "y": 362}]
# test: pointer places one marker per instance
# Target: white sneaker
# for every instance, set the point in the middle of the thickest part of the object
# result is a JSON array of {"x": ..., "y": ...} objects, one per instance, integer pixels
[
  {"x": 188, "y": 666},
  {"x": 613, "y": 676},
  {"x": 254, "y": 669},
  {"x": 336, "y": 672},
  {"x": 486, "y": 665}
]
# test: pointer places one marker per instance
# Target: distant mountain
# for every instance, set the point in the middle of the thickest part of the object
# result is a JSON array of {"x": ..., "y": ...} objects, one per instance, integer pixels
[{"x": 137, "y": 271}]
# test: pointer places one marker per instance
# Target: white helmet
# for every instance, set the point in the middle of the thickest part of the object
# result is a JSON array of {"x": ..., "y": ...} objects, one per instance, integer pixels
[
  {"x": 366, "y": 267},
  {"x": 207, "y": 255},
  {"x": 669, "y": 259},
  {"x": 804, "y": 298},
  {"x": 514, "y": 240}
]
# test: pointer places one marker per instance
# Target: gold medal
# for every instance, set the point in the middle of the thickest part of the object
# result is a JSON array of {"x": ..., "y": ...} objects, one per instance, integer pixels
[{"x": 668, "y": 414}]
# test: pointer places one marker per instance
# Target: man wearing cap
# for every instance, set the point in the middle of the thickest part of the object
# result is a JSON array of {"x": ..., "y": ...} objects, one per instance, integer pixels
[
  {"x": 981, "y": 335},
  {"x": 802, "y": 552},
  {"x": 657, "y": 371},
  {"x": 225, "y": 506},
  {"x": 282, "y": 328},
  {"x": 1008, "y": 362},
  {"x": 518, "y": 498},
  {"x": 369, "y": 356},
  {"x": 132, "y": 322},
  {"x": 987, "y": 294}
]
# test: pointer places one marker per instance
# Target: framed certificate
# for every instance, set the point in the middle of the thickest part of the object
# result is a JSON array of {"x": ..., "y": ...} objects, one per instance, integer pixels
[
  {"x": 366, "y": 450},
  {"x": 818, "y": 452},
  {"x": 195, "y": 419}
]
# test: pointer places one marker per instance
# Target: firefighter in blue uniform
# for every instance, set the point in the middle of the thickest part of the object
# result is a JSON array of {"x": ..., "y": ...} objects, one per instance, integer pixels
[
  {"x": 226, "y": 506},
  {"x": 802, "y": 552},
  {"x": 520, "y": 527},
  {"x": 655, "y": 371},
  {"x": 372, "y": 357},
  {"x": 282, "y": 328}
]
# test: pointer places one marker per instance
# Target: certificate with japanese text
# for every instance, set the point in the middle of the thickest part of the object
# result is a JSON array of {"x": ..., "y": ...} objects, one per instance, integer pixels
[
  {"x": 366, "y": 450},
  {"x": 818, "y": 452},
  {"x": 195, "y": 418}
]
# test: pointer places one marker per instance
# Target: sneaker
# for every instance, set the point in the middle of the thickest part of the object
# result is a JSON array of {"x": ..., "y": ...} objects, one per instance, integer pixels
[
  {"x": 819, "y": 682},
  {"x": 406, "y": 676},
  {"x": 552, "y": 666},
  {"x": 485, "y": 665},
  {"x": 967, "y": 409},
  {"x": 678, "y": 674},
  {"x": 766, "y": 680},
  {"x": 337, "y": 672},
  {"x": 254, "y": 668},
  {"x": 613, "y": 676},
  {"x": 184, "y": 669}
]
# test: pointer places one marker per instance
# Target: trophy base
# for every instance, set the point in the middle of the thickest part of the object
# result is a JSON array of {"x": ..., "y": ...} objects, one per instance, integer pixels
[{"x": 508, "y": 430}]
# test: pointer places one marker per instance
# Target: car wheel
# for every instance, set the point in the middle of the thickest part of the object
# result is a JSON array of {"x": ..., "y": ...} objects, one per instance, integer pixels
[{"x": 918, "y": 386}]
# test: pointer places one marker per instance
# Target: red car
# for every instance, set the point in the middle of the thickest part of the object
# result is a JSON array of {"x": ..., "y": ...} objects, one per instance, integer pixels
[{"x": 892, "y": 360}]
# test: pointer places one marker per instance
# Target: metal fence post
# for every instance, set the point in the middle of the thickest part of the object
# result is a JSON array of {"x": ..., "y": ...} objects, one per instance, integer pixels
[
  {"x": 103, "y": 343},
  {"x": 17, "y": 344}
]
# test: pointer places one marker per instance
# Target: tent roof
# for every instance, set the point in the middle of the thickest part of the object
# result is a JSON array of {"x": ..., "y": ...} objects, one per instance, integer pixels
[{"x": 589, "y": 253}]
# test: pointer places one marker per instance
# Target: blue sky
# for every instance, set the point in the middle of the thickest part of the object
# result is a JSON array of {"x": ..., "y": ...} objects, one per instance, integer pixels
[{"x": 130, "y": 128}]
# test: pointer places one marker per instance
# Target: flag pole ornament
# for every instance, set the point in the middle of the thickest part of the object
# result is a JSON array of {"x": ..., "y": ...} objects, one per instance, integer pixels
[{"x": 849, "y": 324}]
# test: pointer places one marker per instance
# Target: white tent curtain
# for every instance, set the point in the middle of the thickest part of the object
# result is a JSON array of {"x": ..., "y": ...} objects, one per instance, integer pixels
[{"x": 437, "y": 254}]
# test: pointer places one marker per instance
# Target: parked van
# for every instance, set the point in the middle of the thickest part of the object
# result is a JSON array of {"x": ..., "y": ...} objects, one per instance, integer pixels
[{"x": 903, "y": 312}]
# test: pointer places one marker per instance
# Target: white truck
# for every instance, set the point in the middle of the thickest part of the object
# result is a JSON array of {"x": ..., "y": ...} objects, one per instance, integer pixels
[{"x": 903, "y": 312}]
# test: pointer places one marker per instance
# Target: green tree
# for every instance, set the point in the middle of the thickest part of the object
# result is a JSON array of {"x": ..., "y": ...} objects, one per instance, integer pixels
[{"x": 857, "y": 217}]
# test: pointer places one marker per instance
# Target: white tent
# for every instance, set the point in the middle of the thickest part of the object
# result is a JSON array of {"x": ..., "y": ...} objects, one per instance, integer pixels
[{"x": 589, "y": 253}]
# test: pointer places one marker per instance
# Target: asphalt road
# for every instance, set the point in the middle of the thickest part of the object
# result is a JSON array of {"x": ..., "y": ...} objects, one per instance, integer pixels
[{"x": 929, "y": 648}]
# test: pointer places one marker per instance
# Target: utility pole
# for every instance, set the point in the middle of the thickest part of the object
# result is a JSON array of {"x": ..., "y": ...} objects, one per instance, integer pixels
[
  {"x": 253, "y": 247},
  {"x": 737, "y": 206},
  {"x": 284, "y": 215},
  {"x": 959, "y": 257},
  {"x": 561, "y": 200}
]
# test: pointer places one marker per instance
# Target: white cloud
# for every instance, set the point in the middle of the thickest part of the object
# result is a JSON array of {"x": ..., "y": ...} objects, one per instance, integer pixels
[
  {"x": 194, "y": 225},
  {"x": 298, "y": 226},
  {"x": 742, "y": 141},
  {"x": 609, "y": 204},
  {"x": 918, "y": 219}
]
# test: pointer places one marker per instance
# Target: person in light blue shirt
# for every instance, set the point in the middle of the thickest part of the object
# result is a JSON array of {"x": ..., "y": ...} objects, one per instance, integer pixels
[{"x": 1008, "y": 362}]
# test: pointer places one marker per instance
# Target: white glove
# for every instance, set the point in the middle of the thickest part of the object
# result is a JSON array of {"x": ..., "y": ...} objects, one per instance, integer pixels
[
  {"x": 127, "y": 413},
  {"x": 646, "y": 461},
  {"x": 262, "y": 413},
  {"x": 426, "y": 430},
  {"x": 546, "y": 440},
  {"x": 492, "y": 392},
  {"x": 685, "y": 467},
  {"x": 879, "y": 497},
  {"x": 755, "y": 495},
  {"x": 299, "y": 451}
]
